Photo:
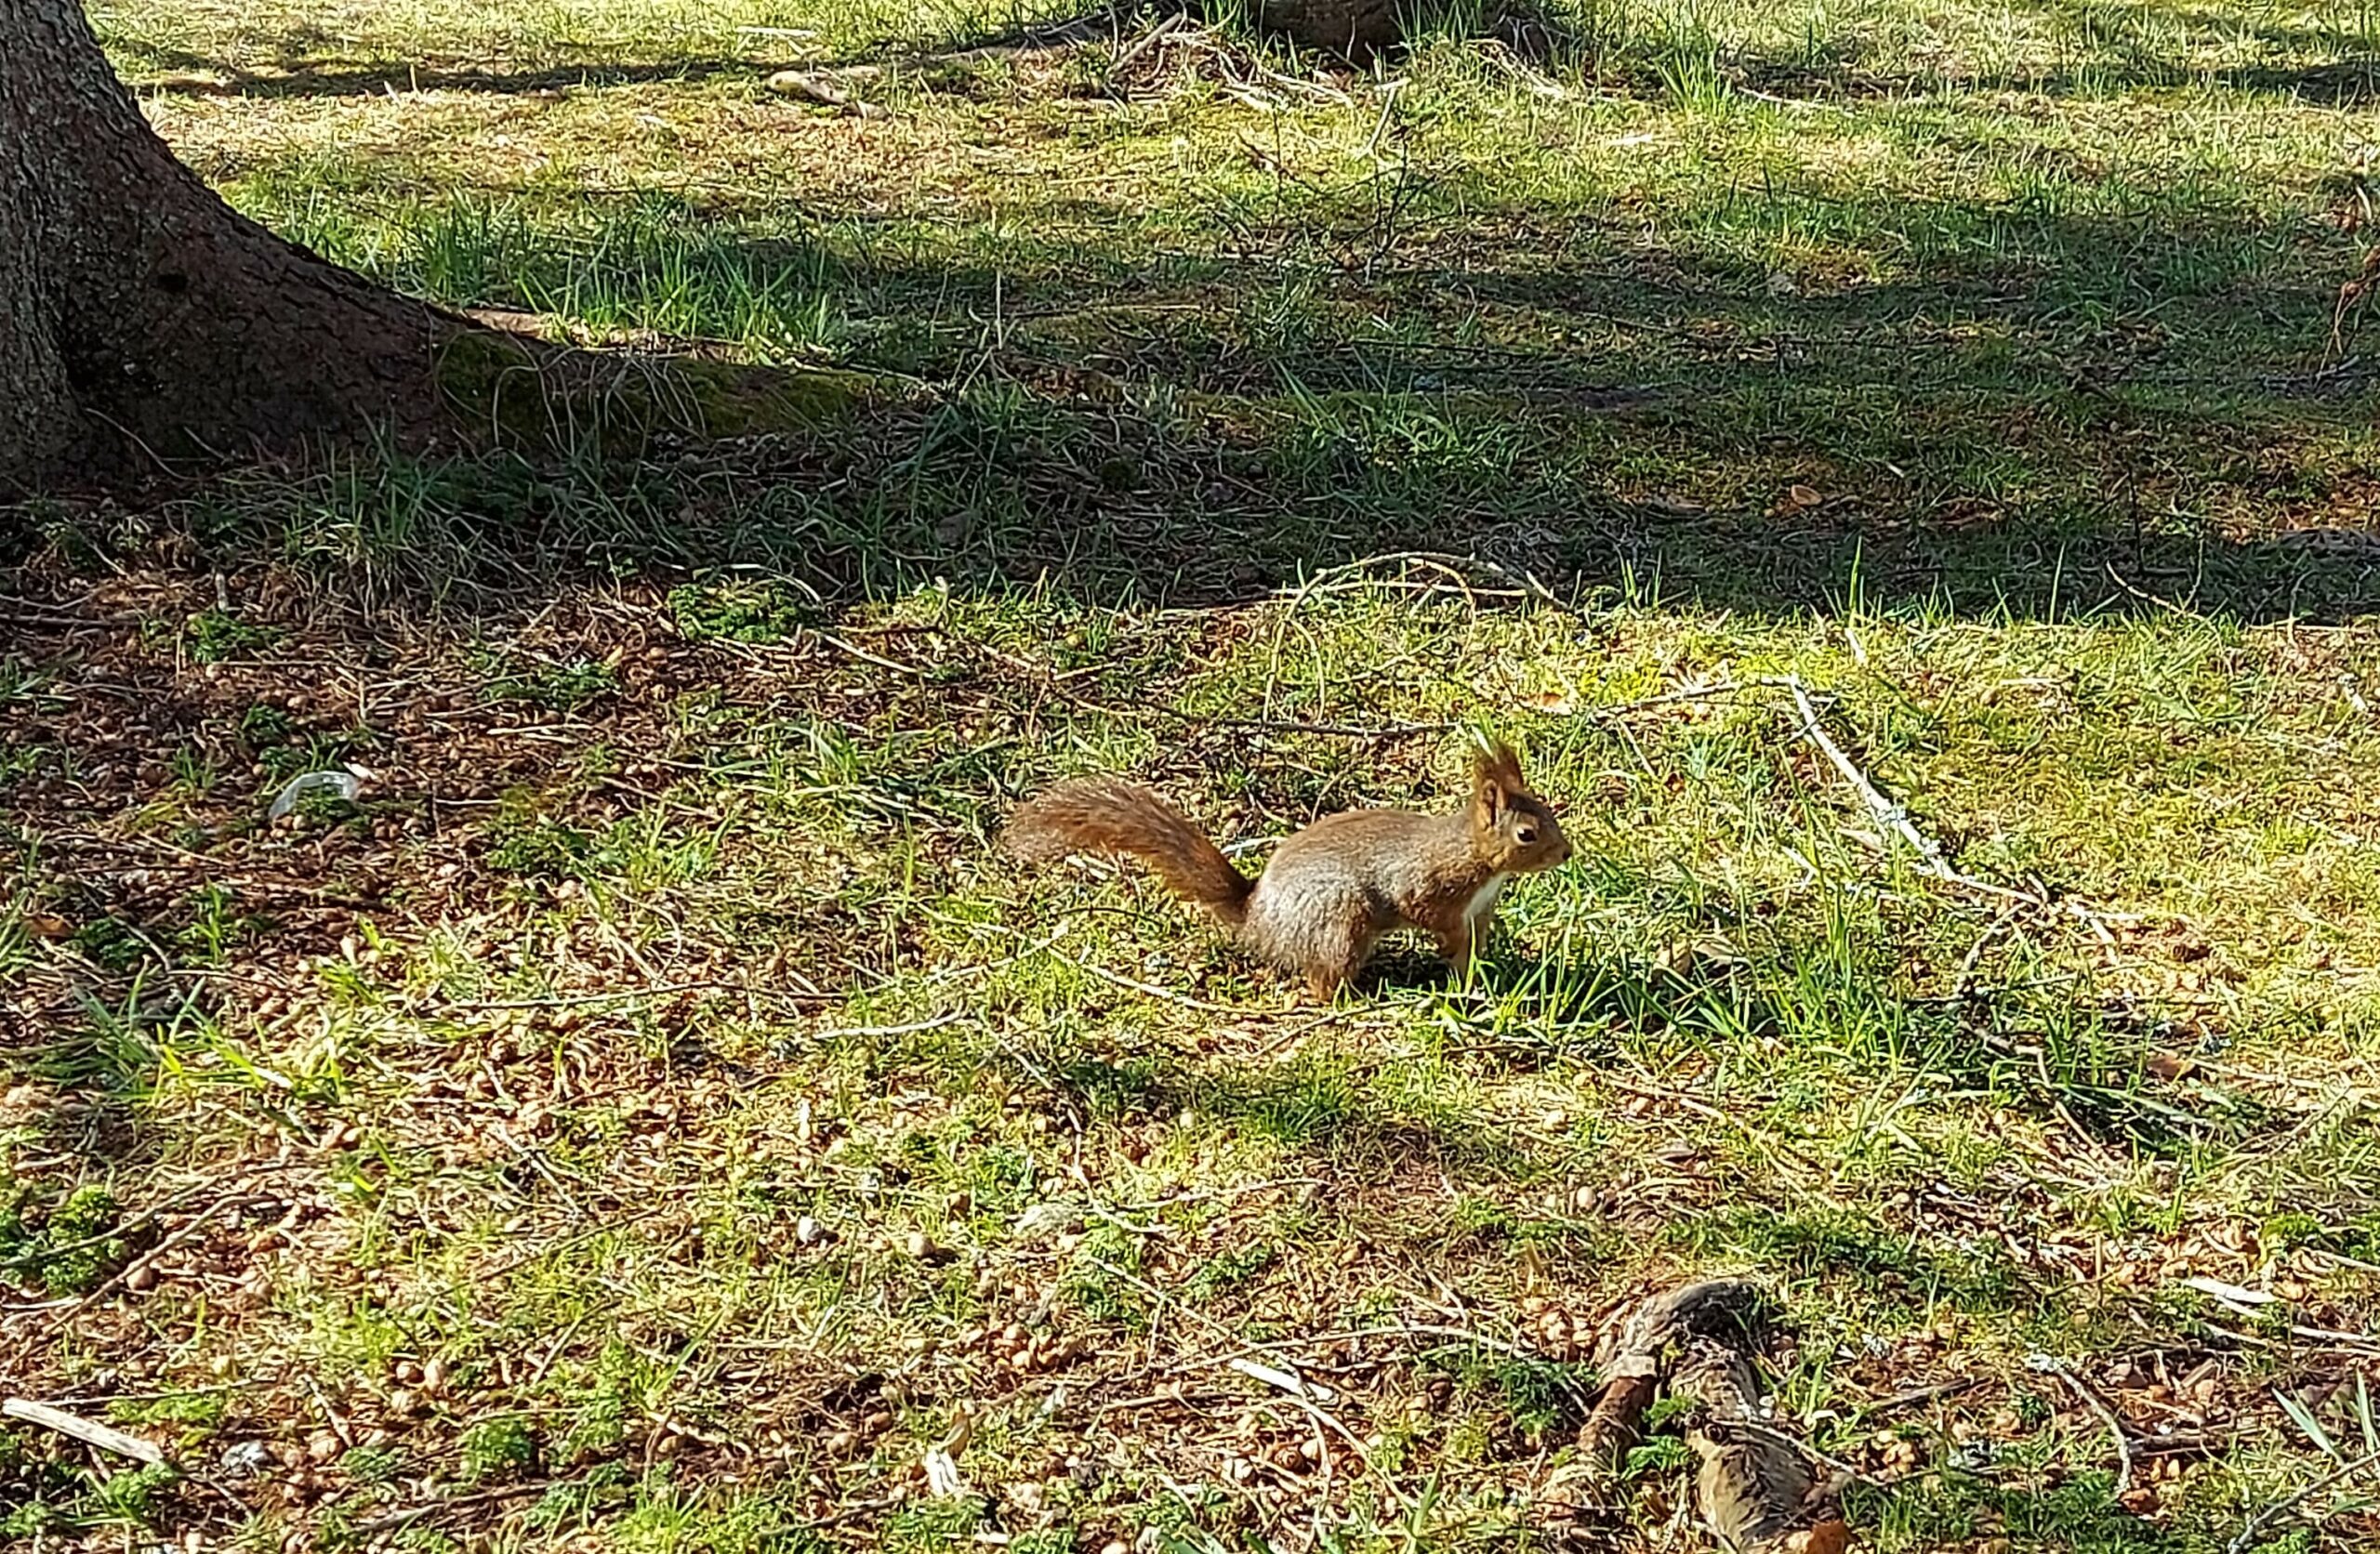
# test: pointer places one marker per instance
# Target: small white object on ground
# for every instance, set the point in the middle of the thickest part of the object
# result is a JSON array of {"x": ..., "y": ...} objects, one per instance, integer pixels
[
  {"x": 246, "y": 1459},
  {"x": 942, "y": 1475},
  {"x": 342, "y": 783},
  {"x": 1287, "y": 1381}
]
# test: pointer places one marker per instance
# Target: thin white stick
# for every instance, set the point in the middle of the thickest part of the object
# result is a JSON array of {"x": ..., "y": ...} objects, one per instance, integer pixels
[
  {"x": 85, "y": 1430},
  {"x": 1888, "y": 813},
  {"x": 1144, "y": 41},
  {"x": 1287, "y": 1381},
  {"x": 1320, "y": 1415}
]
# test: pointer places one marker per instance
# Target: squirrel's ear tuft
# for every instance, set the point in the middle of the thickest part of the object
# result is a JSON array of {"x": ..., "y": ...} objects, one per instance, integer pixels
[
  {"x": 1495, "y": 766},
  {"x": 1495, "y": 779}
]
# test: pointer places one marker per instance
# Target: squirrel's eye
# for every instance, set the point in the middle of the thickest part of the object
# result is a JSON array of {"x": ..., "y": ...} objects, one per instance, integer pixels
[{"x": 1525, "y": 835}]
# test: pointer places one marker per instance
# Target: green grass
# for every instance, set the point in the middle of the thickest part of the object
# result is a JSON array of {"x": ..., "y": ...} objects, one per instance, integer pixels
[
  {"x": 656, "y": 1109},
  {"x": 1992, "y": 286}
]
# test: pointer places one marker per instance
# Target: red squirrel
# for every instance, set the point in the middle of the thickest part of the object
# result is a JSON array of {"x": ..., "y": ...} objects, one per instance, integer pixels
[{"x": 1332, "y": 888}]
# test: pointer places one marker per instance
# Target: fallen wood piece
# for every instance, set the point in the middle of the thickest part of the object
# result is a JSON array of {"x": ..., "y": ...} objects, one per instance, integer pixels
[
  {"x": 1632, "y": 1361},
  {"x": 1756, "y": 1496},
  {"x": 810, "y": 88},
  {"x": 1755, "y": 1487},
  {"x": 1145, "y": 41},
  {"x": 105, "y": 1438},
  {"x": 1710, "y": 1309},
  {"x": 1888, "y": 815},
  {"x": 1917, "y": 1394},
  {"x": 2233, "y": 1296},
  {"x": 1616, "y": 1426}
]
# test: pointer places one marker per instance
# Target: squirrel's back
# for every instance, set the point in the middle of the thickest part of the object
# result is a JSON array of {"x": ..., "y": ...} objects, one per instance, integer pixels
[{"x": 1118, "y": 819}]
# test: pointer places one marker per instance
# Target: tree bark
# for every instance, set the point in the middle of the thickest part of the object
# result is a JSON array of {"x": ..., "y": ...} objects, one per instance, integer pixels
[
  {"x": 1355, "y": 28},
  {"x": 143, "y": 319}
]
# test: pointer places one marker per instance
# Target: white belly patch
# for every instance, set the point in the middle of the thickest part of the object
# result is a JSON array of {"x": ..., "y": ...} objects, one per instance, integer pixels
[{"x": 1481, "y": 903}]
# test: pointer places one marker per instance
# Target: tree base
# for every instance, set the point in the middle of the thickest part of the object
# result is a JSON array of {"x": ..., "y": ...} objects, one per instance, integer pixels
[
  {"x": 1355, "y": 28},
  {"x": 144, "y": 324}
]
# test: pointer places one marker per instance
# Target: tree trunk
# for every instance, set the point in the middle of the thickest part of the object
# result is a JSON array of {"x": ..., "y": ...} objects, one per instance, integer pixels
[
  {"x": 1355, "y": 28},
  {"x": 142, "y": 319}
]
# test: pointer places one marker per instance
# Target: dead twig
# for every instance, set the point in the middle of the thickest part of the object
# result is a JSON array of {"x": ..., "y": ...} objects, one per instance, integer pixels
[
  {"x": 1894, "y": 818},
  {"x": 1302, "y": 1393},
  {"x": 1333, "y": 731},
  {"x": 1445, "y": 558},
  {"x": 90, "y": 1433},
  {"x": 1149, "y": 989},
  {"x": 1889, "y": 815},
  {"x": 616, "y": 1222},
  {"x": 1387, "y": 111},
  {"x": 866, "y": 657},
  {"x": 2106, "y": 1416},
  {"x": 1287, "y": 1381},
  {"x": 1918, "y": 1395},
  {"x": 628, "y": 994},
  {"x": 1146, "y": 41},
  {"x": 2247, "y": 1303},
  {"x": 117, "y": 1232},
  {"x": 197, "y": 1223},
  {"x": 108, "y": 1439}
]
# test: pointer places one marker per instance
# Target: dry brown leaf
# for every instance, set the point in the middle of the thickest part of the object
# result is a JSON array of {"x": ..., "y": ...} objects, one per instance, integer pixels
[{"x": 1826, "y": 1537}]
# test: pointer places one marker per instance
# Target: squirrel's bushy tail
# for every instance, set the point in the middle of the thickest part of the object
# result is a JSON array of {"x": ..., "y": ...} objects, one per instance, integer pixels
[{"x": 1114, "y": 819}]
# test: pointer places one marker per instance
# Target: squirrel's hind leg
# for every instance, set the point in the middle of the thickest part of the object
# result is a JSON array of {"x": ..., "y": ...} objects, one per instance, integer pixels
[
  {"x": 1318, "y": 926},
  {"x": 1333, "y": 964},
  {"x": 1323, "y": 982}
]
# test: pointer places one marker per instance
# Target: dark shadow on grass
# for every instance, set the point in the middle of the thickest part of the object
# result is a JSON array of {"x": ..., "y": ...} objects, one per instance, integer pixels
[
  {"x": 1317, "y": 1106},
  {"x": 181, "y": 72},
  {"x": 101, "y": 1065},
  {"x": 2046, "y": 1052},
  {"x": 2348, "y": 84},
  {"x": 301, "y": 74},
  {"x": 1542, "y": 33},
  {"x": 2124, "y": 57},
  {"x": 305, "y": 70},
  {"x": 2025, "y": 413}
]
